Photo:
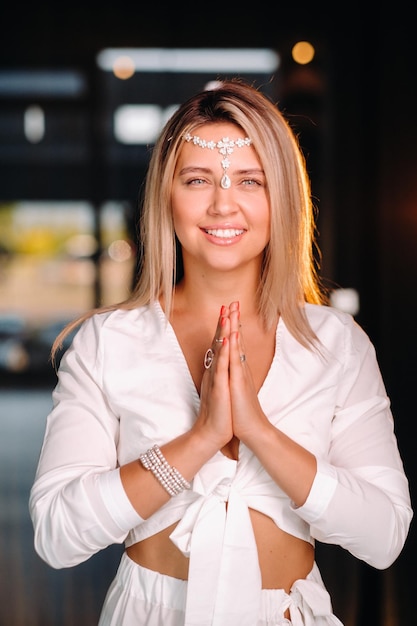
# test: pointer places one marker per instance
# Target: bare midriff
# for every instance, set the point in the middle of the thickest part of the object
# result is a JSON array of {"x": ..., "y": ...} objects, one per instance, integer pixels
[{"x": 283, "y": 558}]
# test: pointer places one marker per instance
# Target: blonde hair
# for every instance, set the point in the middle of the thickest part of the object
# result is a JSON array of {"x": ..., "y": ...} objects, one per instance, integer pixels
[{"x": 288, "y": 278}]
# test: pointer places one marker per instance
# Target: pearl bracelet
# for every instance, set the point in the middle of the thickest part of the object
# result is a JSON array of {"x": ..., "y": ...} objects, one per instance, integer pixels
[{"x": 169, "y": 477}]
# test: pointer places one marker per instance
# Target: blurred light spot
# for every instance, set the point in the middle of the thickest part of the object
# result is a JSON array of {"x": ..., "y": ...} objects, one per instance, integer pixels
[
  {"x": 193, "y": 60},
  {"x": 213, "y": 84},
  {"x": 137, "y": 123},
  {"x": 40, "y": 83},
  {"x": 120, "y": 250},
  {"x": 82, "y": 245},
  {"x": 34, "y": 124},
  {"x": 346, "y": 300},
  {"x": 303, "y": 52},
  {"x": 37, "y": 241},
  {"x": 13, "y": 356},
  {"x": 123, "y": 67}
]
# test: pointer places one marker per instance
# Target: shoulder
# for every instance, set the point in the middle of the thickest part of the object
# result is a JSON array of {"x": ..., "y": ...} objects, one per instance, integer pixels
[
  {"x": 319, "y": 314},
  {"x": 118, "y": 326},
  {"x": 335, "y": 328},
  {"x": 123, "y": 319},
  {"x": 322, "y": 315},
  {"x": 108, "y": 336}
]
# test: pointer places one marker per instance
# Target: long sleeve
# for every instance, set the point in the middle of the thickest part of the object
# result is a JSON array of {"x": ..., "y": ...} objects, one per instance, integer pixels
[
  {"x": 77, "y": 502},
  {"x": 360, "y": 498}
]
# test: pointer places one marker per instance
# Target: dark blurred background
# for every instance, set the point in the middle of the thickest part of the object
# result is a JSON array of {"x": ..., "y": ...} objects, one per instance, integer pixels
[{"x": 69, "y": 195}]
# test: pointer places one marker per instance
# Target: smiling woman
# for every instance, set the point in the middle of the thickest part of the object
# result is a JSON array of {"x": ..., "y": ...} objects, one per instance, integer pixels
[
  {"x": 223, "y": 418},
  {"x": 213, "y": 208}
]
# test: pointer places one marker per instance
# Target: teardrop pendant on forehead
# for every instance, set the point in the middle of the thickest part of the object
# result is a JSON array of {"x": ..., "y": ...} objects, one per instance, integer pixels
[
  {"x": 225, "y": 147},
  {"x": 225, "y": 181}
]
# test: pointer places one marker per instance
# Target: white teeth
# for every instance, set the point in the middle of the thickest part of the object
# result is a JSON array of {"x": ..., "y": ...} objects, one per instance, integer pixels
[{"x": 226, "y": 234}]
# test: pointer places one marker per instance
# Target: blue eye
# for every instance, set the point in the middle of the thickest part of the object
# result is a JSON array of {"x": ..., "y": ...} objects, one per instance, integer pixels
[{"x": 251, "y": 182}]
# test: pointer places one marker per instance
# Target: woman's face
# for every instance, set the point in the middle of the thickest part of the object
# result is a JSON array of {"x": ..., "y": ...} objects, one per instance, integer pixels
[{"x": 220, "y": 228}]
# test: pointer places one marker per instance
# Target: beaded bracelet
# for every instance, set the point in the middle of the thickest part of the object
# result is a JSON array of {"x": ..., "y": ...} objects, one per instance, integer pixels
[{"x": 169, "y": 477}]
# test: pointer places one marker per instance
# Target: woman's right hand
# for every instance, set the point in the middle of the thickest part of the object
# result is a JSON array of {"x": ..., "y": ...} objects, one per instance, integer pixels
[{"x": 214, "y": 420}]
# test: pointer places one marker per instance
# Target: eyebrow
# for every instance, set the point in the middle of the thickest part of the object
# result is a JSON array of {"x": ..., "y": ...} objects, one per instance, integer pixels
[
  {"x": 194, "y": 168},
  {"x": 206, "y": 170},
  {"x": 249, "y": 171}
]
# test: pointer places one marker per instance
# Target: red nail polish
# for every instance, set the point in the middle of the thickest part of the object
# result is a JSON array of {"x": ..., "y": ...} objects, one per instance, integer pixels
[{"x": 222, "y": 310}]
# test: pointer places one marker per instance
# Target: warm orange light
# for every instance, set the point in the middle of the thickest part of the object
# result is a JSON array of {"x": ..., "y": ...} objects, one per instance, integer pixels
[
  {"x": 303, "y": 52},
  {"x": 123, "y": 67}
]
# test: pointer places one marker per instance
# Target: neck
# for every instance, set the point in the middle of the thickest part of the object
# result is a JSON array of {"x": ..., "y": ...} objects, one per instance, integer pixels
[{"x": 209, "y": 291}]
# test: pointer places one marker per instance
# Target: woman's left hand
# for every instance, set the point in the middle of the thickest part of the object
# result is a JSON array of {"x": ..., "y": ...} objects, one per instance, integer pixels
[{"x": 247, "y": 414}]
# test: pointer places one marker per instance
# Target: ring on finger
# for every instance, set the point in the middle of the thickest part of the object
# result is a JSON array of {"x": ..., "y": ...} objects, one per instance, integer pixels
[
  {"x": 208, "y": 358},
  {"x": 242, "y": 358}
]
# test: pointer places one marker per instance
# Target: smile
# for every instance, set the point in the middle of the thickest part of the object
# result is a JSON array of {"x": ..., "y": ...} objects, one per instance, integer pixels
[{"x": 225, "y": 233}]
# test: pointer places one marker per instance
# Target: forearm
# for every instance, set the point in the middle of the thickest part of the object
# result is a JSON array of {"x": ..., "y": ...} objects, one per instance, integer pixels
[
  {"x": 366, "y": 511},
  {"x": 290, "y": 465},
  {"x": 187, "y": 453},
  {"x": 71, "y": 516}
]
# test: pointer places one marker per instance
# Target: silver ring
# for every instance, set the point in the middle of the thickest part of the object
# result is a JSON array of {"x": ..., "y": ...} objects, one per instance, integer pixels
[
  {"x": 219, "y": 340},
  {"x": 208, "y": 358},
  {"x": 242, "y": 358}
]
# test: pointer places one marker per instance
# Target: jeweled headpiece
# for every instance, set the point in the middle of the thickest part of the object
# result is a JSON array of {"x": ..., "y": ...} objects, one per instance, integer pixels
[{"x": 225, "y": 147}]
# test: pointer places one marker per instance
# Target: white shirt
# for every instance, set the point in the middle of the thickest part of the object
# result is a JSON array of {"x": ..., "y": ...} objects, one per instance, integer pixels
[{"x": 124, "y": 385}]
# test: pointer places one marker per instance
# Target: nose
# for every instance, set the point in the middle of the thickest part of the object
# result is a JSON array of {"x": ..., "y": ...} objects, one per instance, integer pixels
[{"x": 223, "y": 202}]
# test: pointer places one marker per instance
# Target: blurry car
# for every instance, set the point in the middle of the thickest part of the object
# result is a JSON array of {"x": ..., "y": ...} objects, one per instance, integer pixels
[
  {"x": 25, "y": 351},
  {"x": 14, "y": 356}
]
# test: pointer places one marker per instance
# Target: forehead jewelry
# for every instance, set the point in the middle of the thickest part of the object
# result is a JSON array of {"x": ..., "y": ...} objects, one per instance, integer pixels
[{"x": 225, "y": 147}]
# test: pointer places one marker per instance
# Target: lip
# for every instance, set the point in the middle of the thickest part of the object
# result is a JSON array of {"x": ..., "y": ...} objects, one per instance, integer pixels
[{"x": 223, "y": 235}]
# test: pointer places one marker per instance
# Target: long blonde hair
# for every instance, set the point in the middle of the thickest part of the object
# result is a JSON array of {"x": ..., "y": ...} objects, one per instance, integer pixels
[{"x": 289, "y": 276}]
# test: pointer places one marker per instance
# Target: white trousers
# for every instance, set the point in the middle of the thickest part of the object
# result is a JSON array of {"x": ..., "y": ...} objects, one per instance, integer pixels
[{"x": 142, "y": 597}]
